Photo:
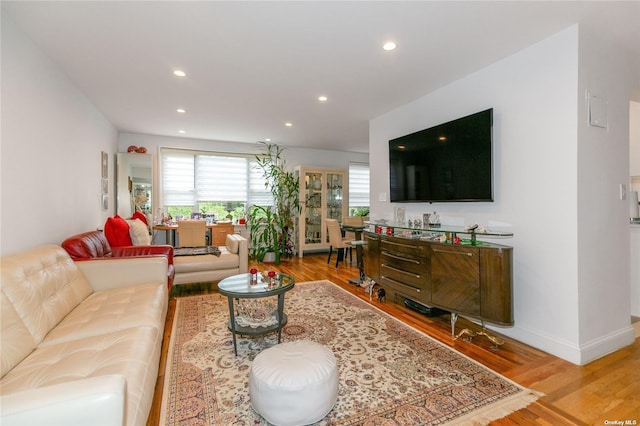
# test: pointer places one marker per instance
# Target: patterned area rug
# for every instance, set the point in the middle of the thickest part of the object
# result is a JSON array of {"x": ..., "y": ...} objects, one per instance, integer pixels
[{"x": 389, "y": 373}]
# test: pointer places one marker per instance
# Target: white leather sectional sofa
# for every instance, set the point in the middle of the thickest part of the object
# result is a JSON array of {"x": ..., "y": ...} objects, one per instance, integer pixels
[{"x": 81, "y": 341}]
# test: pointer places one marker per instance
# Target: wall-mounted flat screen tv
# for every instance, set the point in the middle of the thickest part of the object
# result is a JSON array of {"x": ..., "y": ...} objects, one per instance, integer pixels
[{"x": 445, "y": 163}]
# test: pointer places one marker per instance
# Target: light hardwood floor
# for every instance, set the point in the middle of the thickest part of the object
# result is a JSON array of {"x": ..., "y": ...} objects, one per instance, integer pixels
[{"x": 600, "y": 393}]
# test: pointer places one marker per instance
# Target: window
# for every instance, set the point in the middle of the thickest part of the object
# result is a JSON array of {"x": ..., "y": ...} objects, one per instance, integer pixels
[
  {"x": 205, "y": 182},
  {"x": 259, "y": 195},
  {"x": 358, "y": 189}
]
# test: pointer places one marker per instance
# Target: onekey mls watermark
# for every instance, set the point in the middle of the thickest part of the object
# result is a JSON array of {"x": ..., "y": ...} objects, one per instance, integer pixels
[{"x": 621, "y": 422}]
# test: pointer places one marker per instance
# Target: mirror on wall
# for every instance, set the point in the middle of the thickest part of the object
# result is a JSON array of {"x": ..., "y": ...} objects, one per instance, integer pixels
[{"x": 133, "y": 185}]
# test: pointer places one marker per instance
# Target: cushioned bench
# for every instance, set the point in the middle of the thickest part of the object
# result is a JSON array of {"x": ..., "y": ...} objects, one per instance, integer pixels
[{"x": 233, "y": 259}]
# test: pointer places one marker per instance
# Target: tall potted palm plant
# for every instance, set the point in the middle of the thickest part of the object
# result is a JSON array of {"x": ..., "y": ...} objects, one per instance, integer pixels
[{"x": 271, "y": 227}]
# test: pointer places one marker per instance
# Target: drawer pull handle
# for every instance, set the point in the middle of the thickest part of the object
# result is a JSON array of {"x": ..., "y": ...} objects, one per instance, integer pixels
[
  {"x": 411, "y": 246},
  {"x": 404, "y": 259},
  {"x": 465, "y": 253},
  {"x": 400, "y": 283},
  {"x": 386, "y": 265}
]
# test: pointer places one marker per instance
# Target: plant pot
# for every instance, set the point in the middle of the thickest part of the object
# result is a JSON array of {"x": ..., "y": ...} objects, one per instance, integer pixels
[{"x": 269, "y": 257}]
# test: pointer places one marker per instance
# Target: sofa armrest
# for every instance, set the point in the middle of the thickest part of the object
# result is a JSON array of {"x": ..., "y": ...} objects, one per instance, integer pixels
[
  {"x": 92, "y": 244},
  {"x": 92, "y": 401},
  {"x": 127, "y": 251},
  {"x": 243, "y": 252},
  {"x": 106, "y": 273}
]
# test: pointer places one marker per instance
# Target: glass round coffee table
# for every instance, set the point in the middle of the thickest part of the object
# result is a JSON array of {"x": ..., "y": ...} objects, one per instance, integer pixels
[{"x": 257, "y": 322}]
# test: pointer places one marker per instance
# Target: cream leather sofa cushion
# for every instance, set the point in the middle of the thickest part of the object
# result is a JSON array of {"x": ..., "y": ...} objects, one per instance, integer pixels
[
  {"x": 133, "y": 353},
  {"x": 232, "y": 243},
  {"x": 206, "y": 262},
  {"x": 44, "y": 285},
  {"x": 96, "y": 401},
  {"x": 124, "y": 271},
  {"x": 17, "y": 342},
  {"x": 113, "y": 310}
]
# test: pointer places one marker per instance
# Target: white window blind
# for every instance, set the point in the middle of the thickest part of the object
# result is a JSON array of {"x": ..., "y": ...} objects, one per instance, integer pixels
[
  {"x": 259, "y": 195},
  {"x": 190, "y": 177},
  {"x": 178, "y": 179},
  {"x": 358, "y": 185},
  {"x": 221, "y": 178}
]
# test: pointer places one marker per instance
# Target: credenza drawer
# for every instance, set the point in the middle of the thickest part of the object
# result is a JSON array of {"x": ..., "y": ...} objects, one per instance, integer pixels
[
  {"x": 403, "y": 245},
  {"x": 409, "y": 270},
  {"x": 402, "y": 286},
  {"x": 410, "y": 278}
]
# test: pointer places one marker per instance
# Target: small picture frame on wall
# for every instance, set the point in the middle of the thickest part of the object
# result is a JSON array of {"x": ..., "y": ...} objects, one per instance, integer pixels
[
  {"x": 105, "y": 202},
  {"x": 104, "y": 186},
  {"x": 105, "y": 165}
]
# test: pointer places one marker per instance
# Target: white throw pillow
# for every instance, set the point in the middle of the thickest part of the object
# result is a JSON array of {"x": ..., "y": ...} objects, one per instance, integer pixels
[{"x": 139, "y": 233}]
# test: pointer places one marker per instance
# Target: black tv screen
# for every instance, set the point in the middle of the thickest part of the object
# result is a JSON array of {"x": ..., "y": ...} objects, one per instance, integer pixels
[{"x": 445, "y": 163}]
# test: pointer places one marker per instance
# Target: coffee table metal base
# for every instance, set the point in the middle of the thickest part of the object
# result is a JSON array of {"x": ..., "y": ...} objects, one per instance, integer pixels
[
  {"x": 258, "y": 286},
  {"x": 257, "y": 331}
]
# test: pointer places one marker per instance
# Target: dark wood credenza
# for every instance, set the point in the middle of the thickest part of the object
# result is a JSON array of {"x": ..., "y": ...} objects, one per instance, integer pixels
[{"x": 473, "y": 279}]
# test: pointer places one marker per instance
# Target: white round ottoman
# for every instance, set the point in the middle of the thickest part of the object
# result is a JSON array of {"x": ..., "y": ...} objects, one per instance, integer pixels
[{"x": 294, "y": 383}]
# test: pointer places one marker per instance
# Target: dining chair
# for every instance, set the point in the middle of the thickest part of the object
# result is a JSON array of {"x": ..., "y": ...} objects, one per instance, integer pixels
[
  {"x": 192, "y": 233},
  {"x": 353, "y": 221},
  {"x": 337, "y": 241}
]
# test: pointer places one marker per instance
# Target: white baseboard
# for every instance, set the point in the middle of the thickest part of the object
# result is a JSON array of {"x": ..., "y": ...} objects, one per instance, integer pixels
[
  {"x": 576, "y": 354},
  {"x": 605, "y": 345}
]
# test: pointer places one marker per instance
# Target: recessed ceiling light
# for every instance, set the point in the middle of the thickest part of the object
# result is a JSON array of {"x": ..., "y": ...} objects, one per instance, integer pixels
[
  {"x": 288, "y": 124},
  {"x": 267, "y": 140},
  {"x": 389, "y": 45},
  {"x": 182, "y": 132},
  {"x": 181, "y": 110},
  {"x": 179, "y": 73},
  {"x": 322, "y": 98}
]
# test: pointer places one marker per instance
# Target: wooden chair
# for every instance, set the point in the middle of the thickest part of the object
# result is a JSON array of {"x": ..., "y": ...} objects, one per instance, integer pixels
[
  {"x": 337, "y": 241},
  {"x": 192, "y": 233}
]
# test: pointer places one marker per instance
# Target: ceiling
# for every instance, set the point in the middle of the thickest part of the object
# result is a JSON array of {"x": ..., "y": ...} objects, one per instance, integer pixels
[{"x": 253, "y": 66}]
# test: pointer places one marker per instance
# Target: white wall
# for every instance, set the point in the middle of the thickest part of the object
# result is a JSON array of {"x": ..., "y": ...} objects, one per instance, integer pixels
[
  {"x": 634, "y": 170},
  {"x": 534, "y": 95},
  {"x": 52, "y": 137},
  {"x": 634, "y": 139},
  {"x": 603, "y": 214},
  {"x": 634, "y": 231},
  {"x": 293, "y": 156}
]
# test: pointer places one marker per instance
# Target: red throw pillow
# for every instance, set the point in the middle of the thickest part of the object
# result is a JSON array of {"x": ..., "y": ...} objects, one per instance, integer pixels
[
  {"x": 141, "y": 216},
  {"x": 117, "y": 232}
]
